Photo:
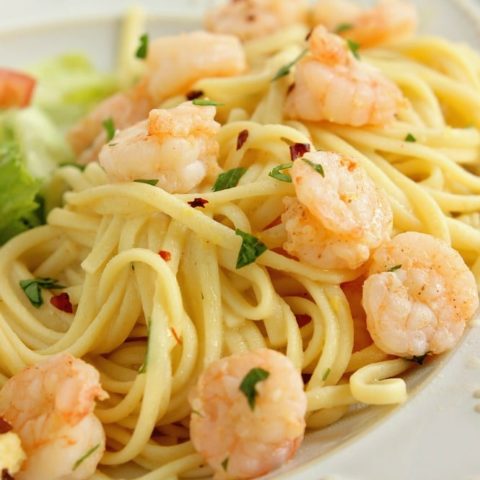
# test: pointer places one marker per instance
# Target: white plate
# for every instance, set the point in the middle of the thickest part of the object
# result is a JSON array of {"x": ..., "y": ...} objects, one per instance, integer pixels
[{"x": 435, "y": 435}]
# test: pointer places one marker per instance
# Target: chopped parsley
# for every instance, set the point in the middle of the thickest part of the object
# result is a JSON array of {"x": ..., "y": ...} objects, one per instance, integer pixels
[
  {"x": 316, "y": 166},
  {"x": 229, "y": 179},
  {"x": 152, "y": 182},
  {"x": 282, "y": 177},
  {"x": 196, "y": 412},
  {"x": 326, "y": 374},
  {"x": 410, "y": 138},
  {"x": 354, "y": 47},
  {"x": 85, "y": 456},
  {"x": 343, "y": 27},
  {"x": 249, "y": 383},
  {"x": 142, "y": 50},
  {"x": 205, "y": 102},
  {"x": 109, "y": 127},
  {"x": 32, "y": 288},
  {"x": 395, "y": 268},
  {"x": 285, "y": 70},
  {"x": 250, "y": 250},
  {"x": 225, "y": 464}
]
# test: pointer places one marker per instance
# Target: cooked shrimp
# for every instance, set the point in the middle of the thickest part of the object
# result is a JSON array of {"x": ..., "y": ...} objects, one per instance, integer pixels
[
  {"x": 88, "y": 136},
  {"x": 330, "y": 84},
  {"x": 419, "y": 296},
  {"x": 173, "y": 65},
  {"x": 249, "y": 19},
  {"x": 338, "y": 217},
  {"x": 50, "y": 407},
  {"x": 388, "y": 21},
  {"x": 176, "y": 63},
  {"x": 246, "y": 432},
  {"x": 176, "y": 146}
]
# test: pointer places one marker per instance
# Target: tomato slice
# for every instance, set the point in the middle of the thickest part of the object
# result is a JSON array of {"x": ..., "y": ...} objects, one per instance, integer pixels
[{"x": 15, "y": 88}]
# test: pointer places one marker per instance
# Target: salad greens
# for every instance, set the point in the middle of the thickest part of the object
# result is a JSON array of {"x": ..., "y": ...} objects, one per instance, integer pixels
[{"x": 32, "y": 139}]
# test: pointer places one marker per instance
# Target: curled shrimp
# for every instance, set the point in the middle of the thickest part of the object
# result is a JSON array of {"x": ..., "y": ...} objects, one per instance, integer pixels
[
  {"x": 50, "y": 407},
  {"x": 244, "y": 437},
  {"x": 177, "y": 147},
  {"x": 388, "y": 21},
  {"x": 248, "y": 19},
  {"x": 174, "y": 64},
  {"x": 88, "y": 136},
  {"x": 338, "y": 216},
  {"x": 331, "y": 85},
  {"x": 419, "y": 296}
]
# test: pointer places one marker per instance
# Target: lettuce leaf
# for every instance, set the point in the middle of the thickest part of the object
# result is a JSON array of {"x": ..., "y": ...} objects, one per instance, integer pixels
[
  {"x": 68, "y": 86},
  {"x": 31, "y": 148},
  {"x": 18, "y": 189}
]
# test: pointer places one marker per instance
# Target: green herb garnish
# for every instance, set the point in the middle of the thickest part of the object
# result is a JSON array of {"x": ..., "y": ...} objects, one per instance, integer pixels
[
  {"x": 285, "y": 70},
  {"x": 410, "y": 138},
  {"x": 33, "y": 289},
  {"x": 85, "y": 456},
  {"x": 354, "y": 47},
  {"x": 282, "y": 177},
  {"x": 326, "y": 374},
  {"x": 394, "y": 269},
  {"x": 229, "y": 179},
  {"x": 250, "y": 250},
  {"x": 152, "y": 182},
  {"x": 109, "y": 127},
  {"x": 248, "y": 385},
  {"x": 343, "y": 27},
  {"x": 142, "y": 50},
  {"x": 204, "y": 102},
  {"x": 225, "y": 464},
  {"x": 316, "y": 166}
]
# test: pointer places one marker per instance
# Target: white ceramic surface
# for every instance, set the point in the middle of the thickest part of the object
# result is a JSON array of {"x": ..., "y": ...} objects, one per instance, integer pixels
[{"x": 435, "y": 435}]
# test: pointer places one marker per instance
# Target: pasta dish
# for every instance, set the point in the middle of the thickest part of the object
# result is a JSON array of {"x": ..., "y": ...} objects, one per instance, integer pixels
[{"x": 236, "y": 237}]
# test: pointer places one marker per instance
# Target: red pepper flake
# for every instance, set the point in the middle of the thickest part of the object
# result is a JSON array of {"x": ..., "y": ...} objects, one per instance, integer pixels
[
  {"x": 62, "y": 302},
  {"x": 290, "y": 88},
  {"x": 198, "y": 202},
  {"x": 251, "y": 17},
  {"x": 193, "y": 94},
  {"x": 175, "y": 334},
  {"x": 303, "y": 320},
  {"x": 242, "y": 138},
  {"x": 165, "y": 254},
  {"x": 5, "y": 427},
  {"x": 309, "y": 34},
  {"x": 298, "y": 150}
]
